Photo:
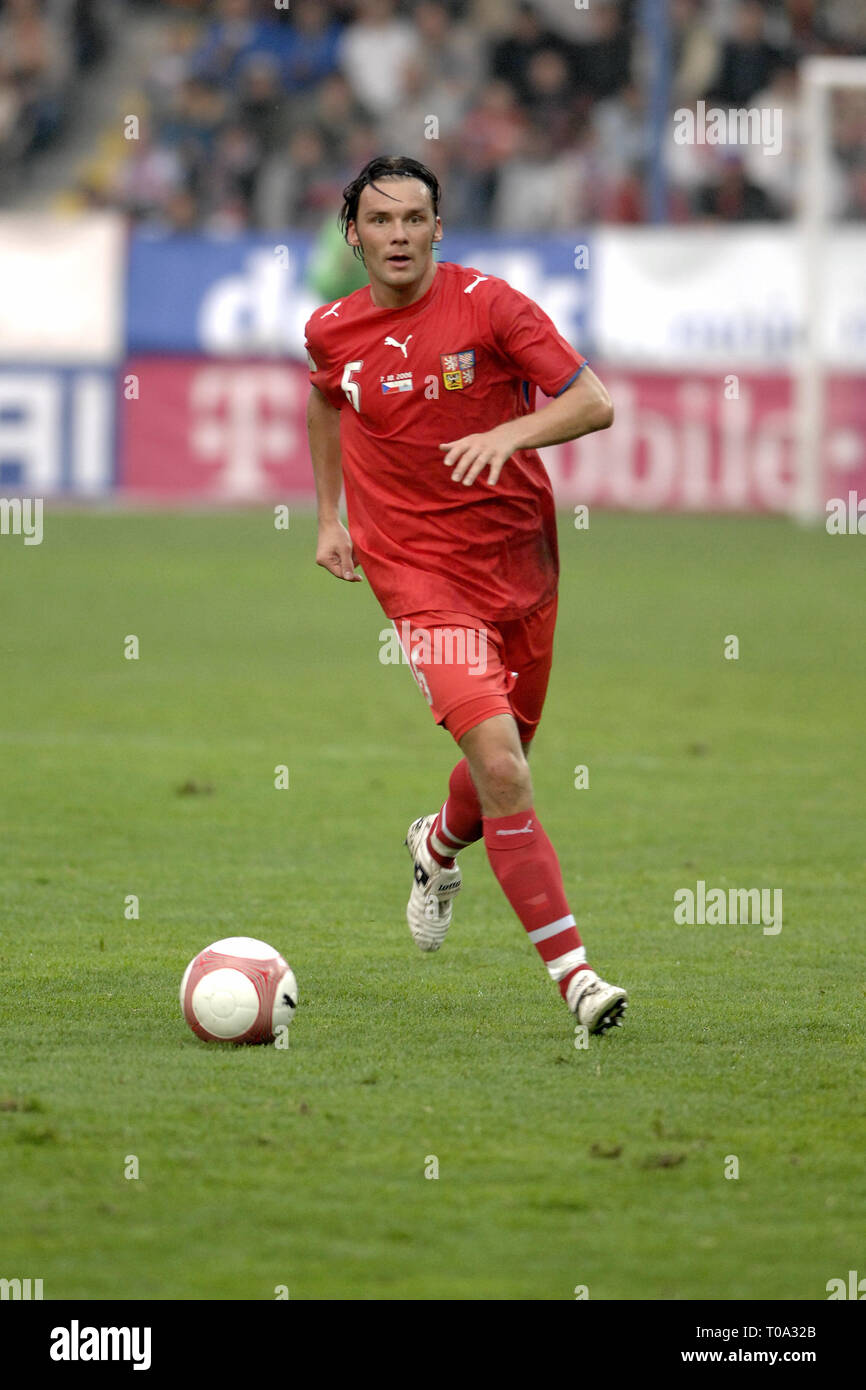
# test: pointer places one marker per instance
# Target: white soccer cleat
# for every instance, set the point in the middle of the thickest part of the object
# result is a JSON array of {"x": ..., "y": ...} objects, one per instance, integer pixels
[
  {"x": 596, "y": 1004},
  {"x": 428, "y": 911}
]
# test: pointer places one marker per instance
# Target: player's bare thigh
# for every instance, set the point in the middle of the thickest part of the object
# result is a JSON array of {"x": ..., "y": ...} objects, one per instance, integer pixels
[{"x": 497, "y": 762}]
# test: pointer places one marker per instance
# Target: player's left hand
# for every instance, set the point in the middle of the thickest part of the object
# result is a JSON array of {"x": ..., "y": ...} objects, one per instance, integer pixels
[{"x": 474, "y": 452}]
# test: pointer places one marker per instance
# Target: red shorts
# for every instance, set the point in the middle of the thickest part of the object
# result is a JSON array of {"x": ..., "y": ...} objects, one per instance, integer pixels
[{"x": 469, "y": 670}]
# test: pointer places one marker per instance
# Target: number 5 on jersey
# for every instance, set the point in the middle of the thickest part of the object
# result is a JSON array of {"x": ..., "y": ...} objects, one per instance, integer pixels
[{"x": 351, "y": 388}]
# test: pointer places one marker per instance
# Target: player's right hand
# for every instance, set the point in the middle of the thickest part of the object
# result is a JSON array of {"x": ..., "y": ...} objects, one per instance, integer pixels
[{"x": 335, "y": 552}]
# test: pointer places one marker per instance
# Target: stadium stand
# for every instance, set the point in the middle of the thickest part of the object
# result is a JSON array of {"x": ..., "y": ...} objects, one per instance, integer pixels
[{"x": 254, "y": 117}]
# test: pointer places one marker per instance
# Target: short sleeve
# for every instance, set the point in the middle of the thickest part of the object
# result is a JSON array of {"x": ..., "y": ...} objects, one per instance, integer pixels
[
  {"x": 321, "y": 371},
  {"x": 529, "y": 340}
]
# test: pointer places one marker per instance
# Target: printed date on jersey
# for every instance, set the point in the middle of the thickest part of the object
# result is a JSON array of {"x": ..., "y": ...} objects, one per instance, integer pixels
[
  {"x": 458, "y": 369},
  {"x": 397, "y": 381}
]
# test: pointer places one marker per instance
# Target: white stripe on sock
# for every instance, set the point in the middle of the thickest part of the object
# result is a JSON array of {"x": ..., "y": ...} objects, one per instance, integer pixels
[
  {"x": 455, "y": 839},
  {"x": 552, "y": 929},
  {"x": 447, "y": 851},
  {"x": 560, "y": 967}
]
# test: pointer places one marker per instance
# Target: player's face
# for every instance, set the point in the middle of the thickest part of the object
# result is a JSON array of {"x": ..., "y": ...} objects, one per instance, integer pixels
[{"x": 396, "y": 230}]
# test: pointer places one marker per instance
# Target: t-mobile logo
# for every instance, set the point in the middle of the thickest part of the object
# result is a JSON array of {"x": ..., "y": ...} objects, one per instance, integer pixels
[{"x": 242, "y": 419}]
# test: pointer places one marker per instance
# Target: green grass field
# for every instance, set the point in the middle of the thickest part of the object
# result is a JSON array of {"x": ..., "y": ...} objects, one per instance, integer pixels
[{"x": 304, "y": 1167}]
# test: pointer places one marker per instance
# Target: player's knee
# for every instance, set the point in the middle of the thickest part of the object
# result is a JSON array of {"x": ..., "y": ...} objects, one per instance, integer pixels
[{"x": 505, "y": 775}]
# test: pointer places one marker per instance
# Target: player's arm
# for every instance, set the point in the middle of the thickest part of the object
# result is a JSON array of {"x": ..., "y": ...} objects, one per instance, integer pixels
[
  {"x": 583, "y": 407},
  {"x": 334, "y": 546}
]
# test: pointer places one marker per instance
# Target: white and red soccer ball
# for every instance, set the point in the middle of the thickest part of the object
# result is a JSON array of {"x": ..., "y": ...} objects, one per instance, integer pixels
[{"x": 238, "y": 990}]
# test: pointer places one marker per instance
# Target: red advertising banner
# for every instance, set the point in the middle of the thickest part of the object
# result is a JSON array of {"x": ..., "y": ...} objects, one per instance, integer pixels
[
  {"x": 205, "y": 430},
  {"x": 195, "y": 428}
]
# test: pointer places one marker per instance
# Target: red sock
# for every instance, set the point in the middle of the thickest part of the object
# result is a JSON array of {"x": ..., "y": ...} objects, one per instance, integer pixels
[
  {"x": 525, "y": 863},
  {"x": 458, "y": 824}
]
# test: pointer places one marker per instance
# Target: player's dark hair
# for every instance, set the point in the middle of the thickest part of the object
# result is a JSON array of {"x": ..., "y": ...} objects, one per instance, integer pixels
[{"x": 385, "y": 166}]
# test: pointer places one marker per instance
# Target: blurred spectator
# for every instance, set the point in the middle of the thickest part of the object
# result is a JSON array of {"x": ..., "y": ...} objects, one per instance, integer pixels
[
  {"x": 89, "y": 32},
  {"x": 806, "y": 30},
  {"x": 427, "y": 115},
  {"x": 849, "y": 125},
  {"x": 733, "y": 198},
  {"x": 228, "y": 218},
  {"x": 493, "y": 18},
  {"x": 440, "y": 84},
  {"x": 312, "y": 45},
  {"x": 849, "y": 145},
  {"x": 334, "y": 110},
  {"x": 360, "y": 146},
  {"x": 233, "y": 38},
  {"x": 181, "y": 214},
  {"x": 691, "y": 167},
  {"x": 777, "y": 174},
  {"x": 149, "y": 176},
  {"x": 748, "y": 60},
  {"x": 602, "y": 66},
  {"x": 489, "y": 138},
  {"x": 171, "y": 68},
  {"x": 190, "y": 128},
  {"x": 541, "y": 189},
  {"x": 13, "y": 139},
  {"x": 624, "y": 201},
  {"x": 34, "y": 68},
  {"x": 262, "y": 104},
  {"x": 622, "y": 138},
  {"x": 298, "y": 186},
  {"x": 572, "y": 24},
  {"x": 847, "y": 22},
  {"x": 374, "y": 54},
  {"x": 228, "y": 179},
  {"x": 696, "y": 51},
  {"x": 451, "y": 52},
  {"x": 512, "y": 55},
  {"x": 550, "y": 102}
]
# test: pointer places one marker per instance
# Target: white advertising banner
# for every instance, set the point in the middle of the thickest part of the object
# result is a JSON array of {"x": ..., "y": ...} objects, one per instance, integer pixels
[
  {"x": 680, "y": 299},
  {"x": 62, "y": 288}
]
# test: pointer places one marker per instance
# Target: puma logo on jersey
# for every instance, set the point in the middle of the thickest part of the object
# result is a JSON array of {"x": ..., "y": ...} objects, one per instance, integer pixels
[
  {"x": 332, "y": 310},
  {"x": 522, "y": 831},
  {"x": 476, "y": 281},
  {"x": 392, "y": 342}
]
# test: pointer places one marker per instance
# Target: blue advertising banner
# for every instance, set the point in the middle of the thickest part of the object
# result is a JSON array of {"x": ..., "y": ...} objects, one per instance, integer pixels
[
  {"x": 57, "y": 429},
  {"x": 252, "y": 295}
]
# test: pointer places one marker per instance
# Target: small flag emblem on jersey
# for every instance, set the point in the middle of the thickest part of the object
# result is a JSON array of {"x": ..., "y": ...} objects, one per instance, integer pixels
[
  {"x": 402, "y": 383},
  {"x": 458, "y": 369}
]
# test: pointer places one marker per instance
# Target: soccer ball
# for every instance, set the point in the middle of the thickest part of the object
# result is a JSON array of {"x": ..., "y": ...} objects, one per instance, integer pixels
[{"x": 238, "y": 990}]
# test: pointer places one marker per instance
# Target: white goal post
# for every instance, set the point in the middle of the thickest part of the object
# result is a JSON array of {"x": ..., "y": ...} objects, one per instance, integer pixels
[{"x": 820, "y": 77}]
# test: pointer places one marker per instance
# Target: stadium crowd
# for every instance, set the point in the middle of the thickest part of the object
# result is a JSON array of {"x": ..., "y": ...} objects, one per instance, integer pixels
[
  {"x": 46, "y": 49},
  {"x": 534, "y": 115}
]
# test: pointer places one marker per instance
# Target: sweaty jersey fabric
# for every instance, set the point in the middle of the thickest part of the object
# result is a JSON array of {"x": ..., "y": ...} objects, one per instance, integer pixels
[{"x": 462, "y": 359}]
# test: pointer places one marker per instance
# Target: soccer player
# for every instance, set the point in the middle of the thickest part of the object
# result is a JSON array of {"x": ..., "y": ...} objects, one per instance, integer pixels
[{"x": 422, "y": 405}]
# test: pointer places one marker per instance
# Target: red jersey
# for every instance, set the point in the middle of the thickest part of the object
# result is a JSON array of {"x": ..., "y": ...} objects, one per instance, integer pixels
[{"x": 462, "y": 359}]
